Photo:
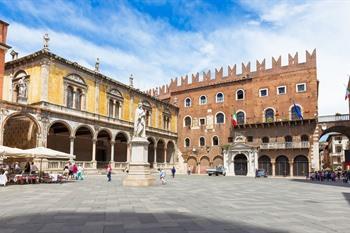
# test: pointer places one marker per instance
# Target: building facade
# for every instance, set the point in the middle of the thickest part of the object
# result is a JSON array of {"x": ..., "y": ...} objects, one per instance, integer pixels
[
  {"x": 52, "y": 102},
  {"x": 334, "y": 151},
  {"x": 276, "y": 112}
]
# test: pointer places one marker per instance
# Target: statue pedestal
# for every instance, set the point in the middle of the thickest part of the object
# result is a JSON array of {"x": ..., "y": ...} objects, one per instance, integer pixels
[{"x": 139, "y": 168}]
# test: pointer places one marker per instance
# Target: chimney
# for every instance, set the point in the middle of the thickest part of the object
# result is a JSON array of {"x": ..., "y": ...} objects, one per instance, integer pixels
[
  {"x": 131, "y": 81},
  {"x": 3, "y": 50}
]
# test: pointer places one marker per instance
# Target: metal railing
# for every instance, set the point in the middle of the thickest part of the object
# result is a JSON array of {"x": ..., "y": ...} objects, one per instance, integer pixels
[
  {"x": 285, "y": 145},
  {"x": 331, "y": 118}
]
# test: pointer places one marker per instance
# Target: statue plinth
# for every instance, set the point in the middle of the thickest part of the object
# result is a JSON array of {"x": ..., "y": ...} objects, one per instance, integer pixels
[{"x": 139, "y": 168}]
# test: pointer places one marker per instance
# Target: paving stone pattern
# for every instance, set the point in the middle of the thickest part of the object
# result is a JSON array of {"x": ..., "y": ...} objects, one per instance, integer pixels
[{"x": 186, "y": 204}]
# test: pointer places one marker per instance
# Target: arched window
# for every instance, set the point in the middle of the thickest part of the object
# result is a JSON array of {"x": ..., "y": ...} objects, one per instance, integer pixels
[
  {"x": 188, "y": 102},
  {"x": 304, "y": 138},
  {"x": 187, "y": 142},
  {"x": 240, "y": 95},
  {"x": 215, "y": 141},
  {"x": 188, "y": 122},
  {"x": 202, "y": 100},
  {"x": 201, "y": 141},
  {"x": 265, "y": 140},
  {"x": 78, "y": 96},
  {"x": 296, "y": 113},
  {"x": 289, "y": 141},
  {"x": 70, "y": 94},
  {"x": 240, "y": 118},
  {"x": 269, "y": 115},
  {"x": 219, "y": 97},
  {"x": 220, "y": 118}
]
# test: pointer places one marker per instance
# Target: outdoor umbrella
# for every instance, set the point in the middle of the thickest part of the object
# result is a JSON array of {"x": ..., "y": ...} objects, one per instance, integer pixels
[{"x": 6, "y": 151}]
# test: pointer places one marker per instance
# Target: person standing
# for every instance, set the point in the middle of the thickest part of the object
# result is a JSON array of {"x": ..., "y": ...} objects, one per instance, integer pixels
[
  {"x": 109, "y": 172},
  {"x": 173, "y": 170},
  {"x": 162, "y": 177}
]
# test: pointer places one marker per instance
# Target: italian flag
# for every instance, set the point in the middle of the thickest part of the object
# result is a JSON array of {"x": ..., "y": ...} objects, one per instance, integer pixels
[
  {"x": 234, "y": 119},
  {"x": 347, "y": 94}
]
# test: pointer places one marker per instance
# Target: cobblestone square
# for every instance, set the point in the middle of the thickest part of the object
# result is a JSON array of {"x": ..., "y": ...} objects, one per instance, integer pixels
[{"x": 184, "y": 204}]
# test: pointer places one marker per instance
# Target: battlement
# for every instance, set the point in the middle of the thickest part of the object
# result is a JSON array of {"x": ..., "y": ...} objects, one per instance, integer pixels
[{"x": 206, "y": 78}]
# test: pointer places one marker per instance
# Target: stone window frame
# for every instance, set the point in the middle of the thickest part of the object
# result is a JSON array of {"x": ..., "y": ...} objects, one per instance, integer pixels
[
  {"x": 114, "y": 95},
  {"x": 285, "y": 90},
  {"x": 199, "y": 141},
  {"x": 291, "y": 113},
  {"x": 212, "y": 140},
  {"x": 184, "y": 121},
  {"x": 202, "y": 118},
  {"x": 185, "y": 103},
  {"x": 200, "y": 100},
  {"x": 264, "y": 89},
  {"x": 166, "y": 119},
  {"x": 245, "y": 116},
  {"x": 216, "y": 97},
  {"x": 76, "y": 82},
  {"x": 20, "y": 74},
  {"x": 298, "y": 84},
  {"x": 216, "y": 122},
  {"x": 189, "y": 143},
  {"x": 264, "y": 115},
  {"x": 243, "y": 98},
  {"x": 146, "y": 105}
]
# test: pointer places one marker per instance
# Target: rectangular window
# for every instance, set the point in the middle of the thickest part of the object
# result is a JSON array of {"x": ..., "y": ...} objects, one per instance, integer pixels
[
  {"x": 301, "y": 87},
  {"x": 201, "y": 121},
  {"x": 281, "y": 90},
  {"x": 338, "y": 138},
  {"x": 338, "y": 149},
  {"x": 263, "y": 92},
  {"x": 230, "y": 139},
  {"x": 250, "y": 138}
]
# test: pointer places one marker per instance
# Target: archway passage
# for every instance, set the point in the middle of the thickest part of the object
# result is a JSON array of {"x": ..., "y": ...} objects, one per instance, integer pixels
[
  {"x": 301, "y": 166},
  {"x": 218, "y": 161},
  {"x": 83, "y": 144},
  {"x": 151, "y": 146},
  {"x": 345, "y": 130},
  {"x": 121, "y": 148},
  {"x": 241, "y": 166},
  {"x": 20, "y": 131},
  {"x": 160, "y": 151},
  {"x": 264, "y": 162},
  {"x": 170, "y": 153},
  {"x": 282, "y": 166},
  {"x": 204, "y": 164},
  {"x": 103, "y": 149},
  {"x": 58, "y": 137},
  {"x": 192, "y": 164}
]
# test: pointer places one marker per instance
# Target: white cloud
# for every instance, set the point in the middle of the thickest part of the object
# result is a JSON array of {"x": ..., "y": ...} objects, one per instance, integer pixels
[{"x": 155, "y": 52}]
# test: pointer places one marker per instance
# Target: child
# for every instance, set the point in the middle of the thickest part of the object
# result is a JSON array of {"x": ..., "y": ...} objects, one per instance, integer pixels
[{"x": 162, "y": 176}]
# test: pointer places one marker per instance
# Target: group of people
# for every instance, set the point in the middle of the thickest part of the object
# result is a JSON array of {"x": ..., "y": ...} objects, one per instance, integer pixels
[
  {"x": 29, "y": 168},
  {"x": 73, "y": 171},
  {"x": 334, "y": 176}
]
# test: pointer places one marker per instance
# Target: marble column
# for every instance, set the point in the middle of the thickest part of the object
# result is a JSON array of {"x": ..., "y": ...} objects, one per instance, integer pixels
[
  {"x": 155, "y": 156},
  {"x": 291, "y": 166},
  {"x": 94, "y": 150},
  {"x": 128, "y": 153},
  {"x": 112, "y": 151},
  {"x": 74, "y": 97},
  {"x": 165, "y": 153},
  {"x": 71, "y": 145},
  {"x": 273, "y": 163}
]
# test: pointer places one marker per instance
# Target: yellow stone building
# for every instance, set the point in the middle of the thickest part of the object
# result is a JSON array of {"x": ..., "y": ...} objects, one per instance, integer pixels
[{"x": 56, "y": 103}]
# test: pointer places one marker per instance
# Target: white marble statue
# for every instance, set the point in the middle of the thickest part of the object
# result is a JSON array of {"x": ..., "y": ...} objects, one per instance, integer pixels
[
  {"x": 140, "y": 122},
  {"x": 22, "y": 88}
]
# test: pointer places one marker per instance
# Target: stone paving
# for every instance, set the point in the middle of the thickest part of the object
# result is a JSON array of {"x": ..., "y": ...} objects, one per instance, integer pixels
[{"x": 186, "y": 204}]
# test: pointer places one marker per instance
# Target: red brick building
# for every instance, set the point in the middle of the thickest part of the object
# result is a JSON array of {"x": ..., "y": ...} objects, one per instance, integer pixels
[
  {"x": 266, "y": 102},
  {"x": 3, "y": 49}
]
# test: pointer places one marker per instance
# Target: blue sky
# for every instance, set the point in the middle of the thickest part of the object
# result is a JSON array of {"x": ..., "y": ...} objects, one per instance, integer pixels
[{"x": 157, "y": 40}]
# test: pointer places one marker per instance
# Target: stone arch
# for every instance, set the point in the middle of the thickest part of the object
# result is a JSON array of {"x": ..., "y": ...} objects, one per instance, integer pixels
[
  {"x": 151, "y": 149},
  {"x": 218, "y": 161},
  {"x": 121, "y": 147},
  {"x": 300, "y": 166},
  {"x": 108, "y": 131},
  {"x": 170, "y": 153},
  {"x": 345, "y": 130},
  {"x": 21, "y": 130},
  {"x": 187, "y": 102},
  {"x": 88, "y": 127},
  {"x": 204, "y": 164},
  {"x": 160, "y": 151},
  {"x": 192, "y": 164},
  {"x": 264, "y": 162},
  {"x": 66, "y": 124},
  {"x": 241, "y": 164},
  {"x": 282, "y": 166},
  {"x": 83, "y": 136},
  {"x": 103, "y": 147},
  {"x": 58, "y": 136}
]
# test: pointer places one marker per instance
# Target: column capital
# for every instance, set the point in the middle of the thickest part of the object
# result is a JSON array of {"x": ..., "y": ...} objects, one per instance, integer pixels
[
  {"x": 72, "y": 137},
  {"x": 112, "y": 142},
  {"x": 94, "y": 140}
]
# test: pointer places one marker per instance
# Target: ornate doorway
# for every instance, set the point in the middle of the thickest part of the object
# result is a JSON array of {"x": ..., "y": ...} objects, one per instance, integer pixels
[{"x": 241, "y": 168}]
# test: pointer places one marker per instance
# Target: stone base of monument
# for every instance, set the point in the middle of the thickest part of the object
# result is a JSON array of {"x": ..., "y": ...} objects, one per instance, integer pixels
[{"x": 139, "y": 168}]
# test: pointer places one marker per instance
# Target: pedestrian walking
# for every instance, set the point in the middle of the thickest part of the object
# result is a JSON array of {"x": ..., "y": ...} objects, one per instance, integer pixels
[
  {"x": 162, "y": 176},
  {"x": 173, "y": 170},
  {"x": 109, "y": 172}
]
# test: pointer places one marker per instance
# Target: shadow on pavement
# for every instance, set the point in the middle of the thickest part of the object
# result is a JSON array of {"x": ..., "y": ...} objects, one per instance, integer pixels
[
  {"x": 123, "y": 222},
  {"x": 331, "y": 183},
  {"x": 347, "y": 197}
]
